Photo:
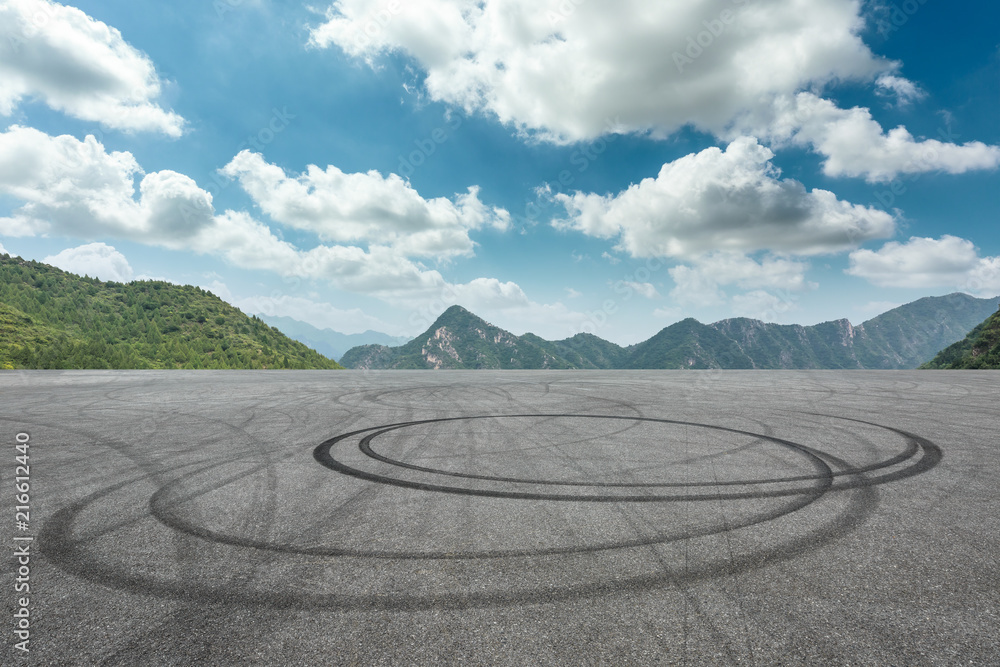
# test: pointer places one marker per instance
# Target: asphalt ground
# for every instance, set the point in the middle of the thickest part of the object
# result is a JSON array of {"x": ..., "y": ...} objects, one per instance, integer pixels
[{"x": 504, "y": 518}]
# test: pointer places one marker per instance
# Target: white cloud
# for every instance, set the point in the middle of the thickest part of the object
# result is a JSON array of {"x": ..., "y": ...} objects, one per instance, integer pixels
[
  {"x": 78, "y": 65},
  {"x": 647, "y": 290},
  {"x": 3, "y": 251},
  {"x": 905, "y": 90},
  {"x": 572, "y": 70},
  {"x": 76, "y": 188},
  {"x": 97, "y": 260},
  {"x": 365, "y": 207},
  {"x": 854, "y": 144},
  {"x": 611, "y": 258},
  {"x": 732, "y": 200},
  {"x": 949, "y": 262},
  {"x": 570, "y": 292},
  {"x": 569, "y": 70}
]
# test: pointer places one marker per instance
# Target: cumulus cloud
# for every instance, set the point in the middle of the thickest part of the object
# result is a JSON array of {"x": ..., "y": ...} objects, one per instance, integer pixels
[
  {"x": 365, "y": 207},
  {"x": 97, "y": 260},
  {"x": 949, "y": 262},
  {"x": 608, "y": 66},
  {"x": 80, "y": 66},
  {"x": 854, "y": 144},
  {"x": 566, "y": 71},
  {"x": 732, "y": 200},
  {"x": 76, "y": 188},
  {"x": 904, "y": 90},
  {"x": 3, "y": 251}
]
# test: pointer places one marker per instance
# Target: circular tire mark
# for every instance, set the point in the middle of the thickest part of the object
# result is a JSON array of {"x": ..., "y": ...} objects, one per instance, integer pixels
[{"x": 824, "y": 476}]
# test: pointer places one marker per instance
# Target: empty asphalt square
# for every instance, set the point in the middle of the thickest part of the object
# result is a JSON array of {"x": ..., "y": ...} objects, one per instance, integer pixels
[{"x": 537, "y": 517}]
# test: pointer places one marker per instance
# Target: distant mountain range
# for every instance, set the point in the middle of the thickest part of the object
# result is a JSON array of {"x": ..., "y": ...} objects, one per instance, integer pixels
[
  {"x": 979, "y": 350},
  {"x": 328, "y": 342},
  {"x": 903, "y": 337},
  {"x": 53, "y": 319}
]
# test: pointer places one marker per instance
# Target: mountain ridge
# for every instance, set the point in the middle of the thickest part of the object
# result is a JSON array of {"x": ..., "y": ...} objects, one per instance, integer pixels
[{"x": 903, "y": 337}]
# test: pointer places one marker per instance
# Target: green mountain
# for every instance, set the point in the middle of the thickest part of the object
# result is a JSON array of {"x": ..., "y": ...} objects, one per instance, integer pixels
[
  {"x": 980, "y": 349},
  {"x": 53, "y": 319},
  {"x": 459, "y": 339},
  {"x": 824, "y": 345},
  {"x": 903, "y": 337},
  {"x": 328, "y": 342},
  {"x": 688, "y": 344},
  {"x": 586, "y": 350},
  {"x": 909, "y": 335}
]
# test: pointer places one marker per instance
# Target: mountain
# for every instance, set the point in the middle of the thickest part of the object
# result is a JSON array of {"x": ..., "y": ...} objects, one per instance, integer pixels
[
  {"x": 459, "y": 339},
  {"x": 980, "y": 349},
  {"x": 53, "y": 319},
  {"x": 903, "y": 337},
  {"x": 586, "y": 350},
  {"x": 824, "y": 345},
  {"x": 909, "y": 335},
  {"x": 900, "y": 338},
  {"x": 688, "y": 344},
  {"x": 328, "y": 342}
]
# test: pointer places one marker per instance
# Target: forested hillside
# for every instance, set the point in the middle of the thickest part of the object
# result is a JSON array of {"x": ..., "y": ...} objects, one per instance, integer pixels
[
  {"x": 979, "y": 350},
  {"x": 53, "y": 319}
]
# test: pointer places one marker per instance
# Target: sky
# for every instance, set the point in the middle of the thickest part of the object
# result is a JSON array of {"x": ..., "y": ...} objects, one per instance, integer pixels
[{"x": 600, "y": 166}]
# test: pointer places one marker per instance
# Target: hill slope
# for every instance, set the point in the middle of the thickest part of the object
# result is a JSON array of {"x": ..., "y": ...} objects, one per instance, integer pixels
[
  {"x": 53, "y": 319},
  {"x": 688, "y": 344},
  {"x": 911, "y": 334},
  {"x": 980, "y": 349}
]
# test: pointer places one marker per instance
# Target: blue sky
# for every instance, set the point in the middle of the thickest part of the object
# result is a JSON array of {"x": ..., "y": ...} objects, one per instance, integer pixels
[{"x": 555, "y": 167}]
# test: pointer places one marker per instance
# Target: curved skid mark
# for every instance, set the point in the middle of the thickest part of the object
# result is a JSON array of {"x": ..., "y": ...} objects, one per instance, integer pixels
[{"x": 323, "y": 455}]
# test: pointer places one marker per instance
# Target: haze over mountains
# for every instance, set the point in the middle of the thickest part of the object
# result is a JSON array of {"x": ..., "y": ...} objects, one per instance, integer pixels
[
  {"x": 328, "y": 342},
  {"x": 904, "y": 337}
]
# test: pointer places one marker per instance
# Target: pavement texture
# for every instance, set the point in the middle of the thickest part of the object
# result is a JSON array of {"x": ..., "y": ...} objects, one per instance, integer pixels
[{"x": 505, "y": 518}]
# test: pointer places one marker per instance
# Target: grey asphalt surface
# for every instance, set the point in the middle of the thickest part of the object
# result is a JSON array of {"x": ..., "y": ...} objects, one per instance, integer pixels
[{"x": 507, "y": 518}]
